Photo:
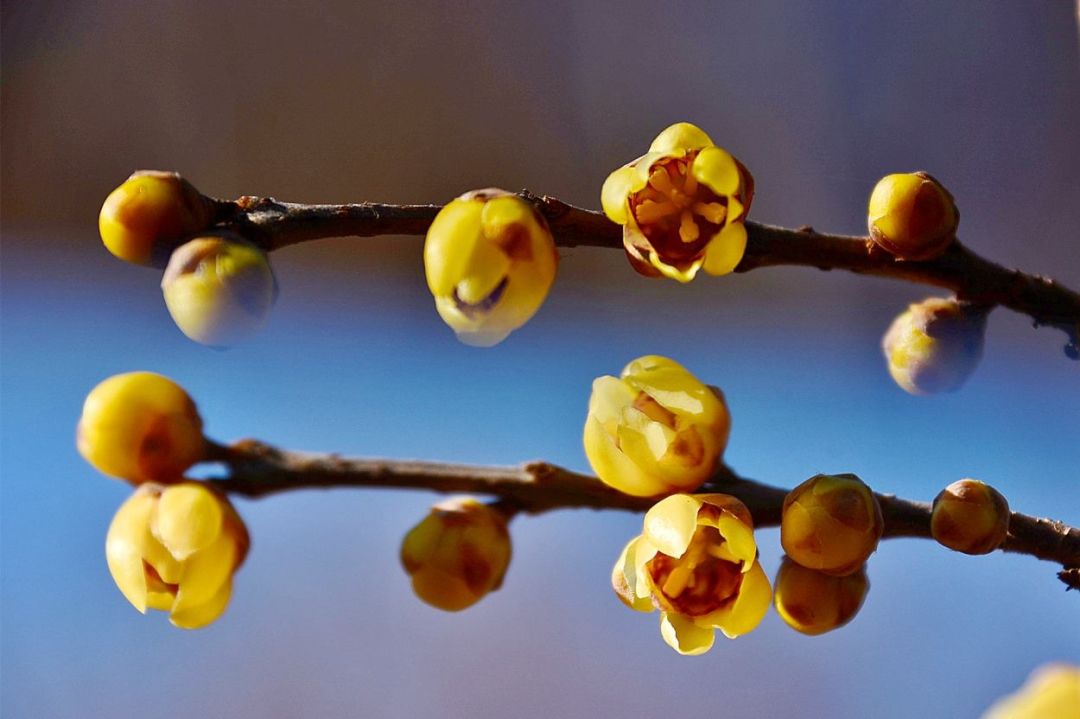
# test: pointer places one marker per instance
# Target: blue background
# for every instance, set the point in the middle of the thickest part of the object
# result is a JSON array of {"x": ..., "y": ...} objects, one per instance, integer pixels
[{"x": 419, "y": 103}]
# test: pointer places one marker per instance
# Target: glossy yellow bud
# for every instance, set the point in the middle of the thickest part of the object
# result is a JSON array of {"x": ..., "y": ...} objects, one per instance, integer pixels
[
  {"x": 656, "y": 429},
  {"x": 682, "y": 206},
  {"x": 812, "y": 602},
  {"x": 1051, "y": 692},
  {"x": 935, "y": 345},
  {"x": 490, "y": 260},
  {"x": 970, "y": 517},
  {"x": 457, "y": 554},
  {"x": 912, "y": 216},
  {"x": 140, "y": 426},
  {"x": 219, "y": 289},
  {"x": 831, "y": 523},
  {"x": 143, "y": 219},
  {"x": 695, "y": 561},
  {"x": 175, "y": 548}
]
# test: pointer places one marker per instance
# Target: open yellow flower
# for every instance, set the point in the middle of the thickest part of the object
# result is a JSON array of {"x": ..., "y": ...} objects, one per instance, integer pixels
[
  {"x": 175, "y": 549},
  {"x": 656, "y": 429},
  {"x": 697, "y": 563},
  {"x": 490, "y": 260},
  {"x": 682, "y": 206},
  {"x": 458, "y": 553}
]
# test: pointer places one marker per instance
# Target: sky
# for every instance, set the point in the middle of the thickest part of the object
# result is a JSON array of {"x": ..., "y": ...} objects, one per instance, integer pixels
[{"x": 418, "y": 103}]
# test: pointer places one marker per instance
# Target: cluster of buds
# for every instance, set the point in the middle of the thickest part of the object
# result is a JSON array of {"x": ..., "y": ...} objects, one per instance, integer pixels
[
  {"x": 218, "y": 287},
  {"x": 655, "y": 429},
  {"x": 682, "y": 206},
  {"x": 175, "y": 544}
]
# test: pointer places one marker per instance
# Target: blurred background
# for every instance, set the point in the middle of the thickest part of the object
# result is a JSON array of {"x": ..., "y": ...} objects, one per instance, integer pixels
[{"x": 402, "y": 102}]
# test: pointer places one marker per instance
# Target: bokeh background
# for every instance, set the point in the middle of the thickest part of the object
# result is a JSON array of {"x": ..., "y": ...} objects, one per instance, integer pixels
[{"x": 416, "y": 103}]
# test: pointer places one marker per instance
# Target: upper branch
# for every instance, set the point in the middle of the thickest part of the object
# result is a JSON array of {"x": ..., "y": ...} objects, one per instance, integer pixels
[
  {"x": 257, "y": 469},
  {"x": 274, "y": 224}
]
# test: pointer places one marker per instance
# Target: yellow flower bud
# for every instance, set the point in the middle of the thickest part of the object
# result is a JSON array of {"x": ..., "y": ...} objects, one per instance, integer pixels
[
  {"x": 812, "y": 602},
  {"x": 970, "y": 517},
  {"x": 912, "y": 216},
  {"x": 219, "y": 289},
  {"x": 457, "y": 554},
  {"x": 831, "y": 523},
  {"x": 490, "y": 260},
  {"x": 682, "y": 206},
  {"x": 143, "y": 219},
  {"x": 175, "y": 548},
  {"x": 656, "y": 429},
  {"x": 696, "y": 562},
  {"x": 935, "y": 345},
  {"x": 1051, "y": 692},
  {"x": 140, "y": 426}
]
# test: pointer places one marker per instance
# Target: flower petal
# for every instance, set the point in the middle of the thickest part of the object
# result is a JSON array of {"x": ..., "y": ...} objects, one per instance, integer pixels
[
  {"x": 199, "y": 616},
  {"x": 670, "y": 523},
  {"x": 748, "y": 609},
  {"x": 615, "y": 468},
  {"x": 188, "y": 517},
  {"x": 617, "y": 188},
  {"x": 726, "y": 249},
  {"x": 624, "y": 578},
  {"x": 679, "y": 138},
  {"x": 449, "y": 245},
  {"x": 685, "y": 636},
  {"x": 717, "y": 170},
  {"x": 205, "y": 572}
]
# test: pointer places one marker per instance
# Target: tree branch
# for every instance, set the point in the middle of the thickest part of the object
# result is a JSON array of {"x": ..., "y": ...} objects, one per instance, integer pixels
[
  {"x": 257, "y": 470},
  {"x": 273, "y": 225}
]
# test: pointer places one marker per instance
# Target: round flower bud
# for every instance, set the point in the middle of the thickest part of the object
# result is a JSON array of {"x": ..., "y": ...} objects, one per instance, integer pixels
[
  {"x": 490, "y": 260},
  {"x": 1051, "y": 692},
  {"x": 912, "y": 216},
  {"x": 175, "y": 548},
  {"x": 812, "y": 602},
  {"x": 140, "y": 426},
  {"x": 696, "y": 561},
  {"x": 935, "y": 345},
  {"x": 970, "y": 517},
  {"x": 143, "y": 219},
  {"x": 656, "y": 429},
  {"x": 457, "y": 554},
  {"x": 219, "y": 289},
  {"x": 831, "y": 523},
  {"x": 682, "y": 206}
]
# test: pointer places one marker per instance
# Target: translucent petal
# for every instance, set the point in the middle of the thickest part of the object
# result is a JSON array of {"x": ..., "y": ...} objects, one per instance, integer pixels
[
  {"x": 670, "y": 523},
  {"x": 205, "y": 572},
  {"x": 749, "y": 608},
  {"x": 683, "y": 275},
  {"x": 717, "y": 170},
  {"x": 679, "y": 138},
  {"x": 187, "y": 518},
  {"x": 739, "y": 538},
  {"x": 684, "y": 636},
  {"x": 197, "y": 617},
  {"x": 617, "y": 188},
  {"x": 726, "y": 249},
  {"x": 624, "y": 579},
  {"x": 613, "y": 467},
  {"x": 610, "y": 396}
]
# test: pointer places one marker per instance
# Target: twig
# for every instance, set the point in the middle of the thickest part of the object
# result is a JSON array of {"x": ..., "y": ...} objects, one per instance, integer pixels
[
  {"x": 273, "y": 225},
  {"x": 257, "y": 470}
]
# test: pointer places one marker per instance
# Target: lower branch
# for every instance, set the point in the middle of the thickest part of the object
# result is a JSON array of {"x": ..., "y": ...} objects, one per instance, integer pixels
[{"x": 257, "y": 470}]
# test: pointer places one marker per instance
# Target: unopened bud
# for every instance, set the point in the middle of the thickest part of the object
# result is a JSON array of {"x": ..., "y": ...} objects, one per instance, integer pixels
[
  {"x": 912, "y": 216},
  {"x": 831, "y": 523},
  {"x": 935, "y": 345},
  {"x": 812, "y": 602},
  {"x": 970, "y": 516}
]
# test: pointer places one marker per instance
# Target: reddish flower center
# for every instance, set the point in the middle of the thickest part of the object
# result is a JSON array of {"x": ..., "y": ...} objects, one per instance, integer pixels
[{"x": 698, "y": 582}]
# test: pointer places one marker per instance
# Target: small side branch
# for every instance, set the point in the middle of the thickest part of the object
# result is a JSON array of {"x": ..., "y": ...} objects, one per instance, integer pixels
[
  {"x": 257, "y": 470},
  {"x": 274, "y": 224}
]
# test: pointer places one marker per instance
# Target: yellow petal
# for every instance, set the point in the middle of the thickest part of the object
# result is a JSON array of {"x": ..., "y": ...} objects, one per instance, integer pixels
[
  {"x": 726, "y": 249},
  {"x": 679, "y": 138},
  {"x": 670, "y": 523},
  {"x": 739, "y": 538},
  {"x": 617, "y": 188},
  {"x": 196, "y": 617},
  {"x": 187, "y": 518},
  {"x": 449, "y": 245},
  {"x": 674, "y": 273},
  {"x": 613, "y": 467},
  {"x": 624, "y": 578},
  {"x": 684, "y": 636},
  {"x": 205, "y": 572},
  {"x": 123, "y": 548},
  {"x": 748, "y": 609},
  {"x": 716, "y": 169}
]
